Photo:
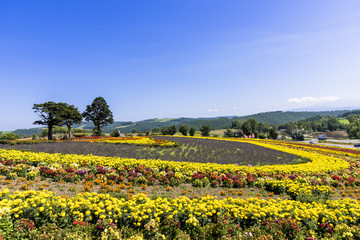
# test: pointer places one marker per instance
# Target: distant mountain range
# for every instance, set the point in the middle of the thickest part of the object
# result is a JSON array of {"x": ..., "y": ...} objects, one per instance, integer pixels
[{"x": 276, "y": 117}]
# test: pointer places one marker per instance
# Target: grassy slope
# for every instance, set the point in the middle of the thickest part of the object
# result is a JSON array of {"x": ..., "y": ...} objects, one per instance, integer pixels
[{"x": 277, "y": 117}]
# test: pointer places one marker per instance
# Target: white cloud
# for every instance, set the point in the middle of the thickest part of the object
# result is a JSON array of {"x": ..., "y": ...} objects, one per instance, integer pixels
[
  {"x": 313, "y": 99},
  {"x": 234, "y": 108}
]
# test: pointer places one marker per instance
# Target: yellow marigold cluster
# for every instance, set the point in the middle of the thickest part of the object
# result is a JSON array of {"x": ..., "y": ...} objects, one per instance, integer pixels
[
  {"x": 147, "y": 141},
  {"x": 142, "y": 210},
  {"x": 317, "y": 162}
]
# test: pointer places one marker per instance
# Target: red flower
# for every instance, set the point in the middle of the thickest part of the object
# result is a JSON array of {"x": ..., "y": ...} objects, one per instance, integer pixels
[{"x": 76, "y": 222}]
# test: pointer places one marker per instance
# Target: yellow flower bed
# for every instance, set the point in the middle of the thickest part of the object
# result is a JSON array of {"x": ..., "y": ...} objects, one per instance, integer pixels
[
  {"x": 132, "y": 140},
  {"x": 321, "y": 148},
  {"x": 318, "y": 162},
  {"x": 294, "y": 188},
  {"x": 141, "y": 209}
]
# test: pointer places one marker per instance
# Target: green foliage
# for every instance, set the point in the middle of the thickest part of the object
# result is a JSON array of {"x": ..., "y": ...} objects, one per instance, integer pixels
[
  {"x": 9, "y": 136},
  {"x": 6, "y": 226},
  {"x": 192, "y": 131},
  {"x": 205, "y": 130},
  {"x": 170, "y": 130},
  {"x": 98, "y": 113},
  {"x": 250, "y": 126},
  {"x": 34, "y": 137},
  {"x": 354, "y": 112},
  {"x": 262, "y": 136},
  {"x": 3, "y": 141},
  {"x": 50, "y": 115},
  {"x": 297, "y": 136},
  {"x": 272, "y": 134},
  {"x": 64, "y": 130},
  {"x": 353, "y": 129},
  {"x": 155, "y": 130},
  {"x": 27, "y": 132},
  {"x": 265, "y": 122},
  {"x": 115, "y": 133},
  {"x": 97, "y": 132},
  {"x": 228, "y": 133},
  {"x": 57, "y": 114},
  {"x": 352, "y": 118},
  {"x": 333, "y": 124},
  {"x": 290, "y": 128},
  {"x": 70, "y": 115},
  {"x": 237, "y": 124},
  {"x": 184, "y": 129}
]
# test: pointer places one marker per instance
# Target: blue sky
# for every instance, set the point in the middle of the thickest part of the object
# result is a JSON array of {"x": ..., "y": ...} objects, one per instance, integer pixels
[{"x": 156, "y": 59}]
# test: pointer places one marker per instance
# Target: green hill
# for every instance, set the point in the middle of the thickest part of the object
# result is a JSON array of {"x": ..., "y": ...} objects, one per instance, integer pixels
[{"x": 277, "y": 118}]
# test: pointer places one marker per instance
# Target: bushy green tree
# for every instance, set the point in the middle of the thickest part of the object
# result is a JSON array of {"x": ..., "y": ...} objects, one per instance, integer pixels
[
  {"x": 205, "y": 130},
  {"x": 155, "y": 130},
  {"x": 9, "y": 136},
  {"x": 99, "y": 113},
  {"x": 184, "y": 130},
  {"x": 192, "y": 131},
  {"x": 290, "y": 128},
  {"x": 333, "y": 124},
  {"x": 353, "y": 129},
  {"x": 352, "y": 118},
  {"x": 70, "y": 115},
  {"x": 297, "y": 136},
  {"x": 228, "y": 133},
  {"x": 171, "y": 130},
  {"x": 50, "y": 115},
  {"x": 237, "y": 124},
  {"x": 115, "y": 133},
  {"x": 250, "y": 127},
  {"x": 272, "y": 134},
  {"x": 163, "y": 131}
]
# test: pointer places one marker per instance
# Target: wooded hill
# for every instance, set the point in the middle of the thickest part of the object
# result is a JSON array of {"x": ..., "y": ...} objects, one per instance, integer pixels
[{"x": 277, "y": 118}]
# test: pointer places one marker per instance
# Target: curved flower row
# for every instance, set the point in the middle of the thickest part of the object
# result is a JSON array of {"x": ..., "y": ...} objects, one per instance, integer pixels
[
  {"x": 326, "y": 149},
  {"x": 133, "y": 140},
  {"x": 140, "y": 209},
  {"x": 295, "y": 188},
  {"x": 318, "y": 162},
  {"x": 142, "y": 141}
]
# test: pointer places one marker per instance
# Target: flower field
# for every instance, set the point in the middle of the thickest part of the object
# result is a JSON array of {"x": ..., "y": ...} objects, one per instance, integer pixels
[
  {"x": 147, "y": 141},
  {"x": 186, "y": 150},
  {"x": 141, "y": 141},
  {"x": 70, "y": 196}
]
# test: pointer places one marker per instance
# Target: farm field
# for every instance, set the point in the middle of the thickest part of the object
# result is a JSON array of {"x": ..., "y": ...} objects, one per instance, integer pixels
[
  {"x": 190, "y": 150},
  {"x": 202, "y": 188}
]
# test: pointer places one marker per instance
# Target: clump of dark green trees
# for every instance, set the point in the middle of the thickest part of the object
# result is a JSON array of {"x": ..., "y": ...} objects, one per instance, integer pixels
[{"x": 53, "y": 114}]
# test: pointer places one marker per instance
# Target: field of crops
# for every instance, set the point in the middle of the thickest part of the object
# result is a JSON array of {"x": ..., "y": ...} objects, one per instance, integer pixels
[
  {"x": 189, "y": 150},
  {"x": 193, "y": 188}
]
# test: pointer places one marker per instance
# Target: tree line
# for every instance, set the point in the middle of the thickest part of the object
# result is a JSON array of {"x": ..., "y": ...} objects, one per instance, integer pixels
[
  {"x": 53, "y": 114},
  {"x": 252, "y": 128},
  {"x": 183, "y": 129},
  {"x": 325, "y": 124}
]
